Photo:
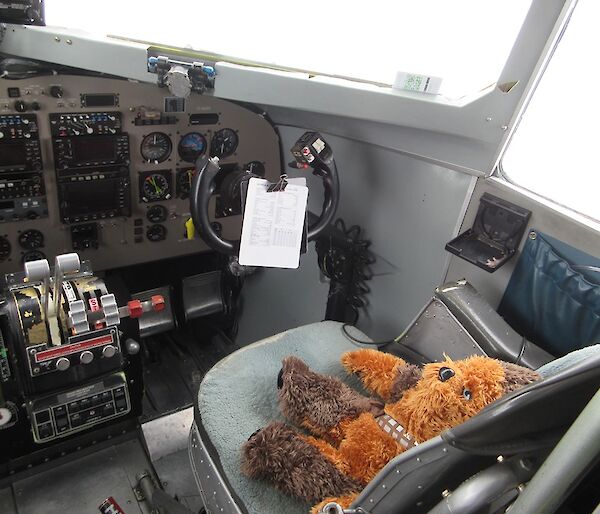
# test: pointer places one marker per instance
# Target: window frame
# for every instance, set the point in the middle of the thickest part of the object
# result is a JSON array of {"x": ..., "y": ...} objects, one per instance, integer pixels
[
  {"x": 468, "y": 135},
  {"x": 501, "y": 173}
]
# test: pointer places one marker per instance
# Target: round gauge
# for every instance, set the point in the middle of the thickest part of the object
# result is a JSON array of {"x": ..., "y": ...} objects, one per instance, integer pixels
[
  {"x": 191, "y": 146},
  {"x": 31, "y": 239},
  {"x": 224, "y": 143},
  {"x": 256, "y": 167},
  {"x": 156, "y": 147},
  {"x": 155, "y": 187},
  {"x": 33, "y": 255},
  {"x": 157, "y": 214},
  {"x": 5, "y": 248},
  {"x": 156, "y": 233}
]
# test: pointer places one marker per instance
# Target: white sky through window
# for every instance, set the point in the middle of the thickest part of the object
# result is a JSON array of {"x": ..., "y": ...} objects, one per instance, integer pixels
[
  {"x": 466, "y": 42},
  {"x": 553, "y": 152}
]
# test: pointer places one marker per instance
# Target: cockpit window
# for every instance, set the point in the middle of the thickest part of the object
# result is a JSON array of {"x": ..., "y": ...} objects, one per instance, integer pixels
[
  {"x": 464, "y": 42},
  {"x": 554, "y": 151}
]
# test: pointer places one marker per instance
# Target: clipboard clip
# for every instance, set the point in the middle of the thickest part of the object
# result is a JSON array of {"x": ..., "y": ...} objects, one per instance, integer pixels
[{"x": 278, "y": 186}]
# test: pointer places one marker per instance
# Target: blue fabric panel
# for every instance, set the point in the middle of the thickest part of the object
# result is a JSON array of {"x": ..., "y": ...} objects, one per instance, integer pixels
[{"x": 549, "y": 302}]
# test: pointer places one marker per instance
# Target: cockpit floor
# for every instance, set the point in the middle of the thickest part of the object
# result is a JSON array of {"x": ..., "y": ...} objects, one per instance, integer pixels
[
  {"x": 167, "y": 442},
  {"x": 176, "y": 362},
  {"x": 81, "y": 485}
]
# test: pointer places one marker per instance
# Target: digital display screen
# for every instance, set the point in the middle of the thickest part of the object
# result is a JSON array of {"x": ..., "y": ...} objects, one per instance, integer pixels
[
  {"x": 99, "y": 100},
  {"x": 89, "y": 197},
  {"x": 12, "y": 154},
  {"x": 96, "y": 149}
]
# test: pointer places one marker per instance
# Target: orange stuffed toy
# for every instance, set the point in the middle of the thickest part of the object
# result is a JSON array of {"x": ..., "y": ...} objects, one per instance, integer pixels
[{"x": 354, "y": 437}]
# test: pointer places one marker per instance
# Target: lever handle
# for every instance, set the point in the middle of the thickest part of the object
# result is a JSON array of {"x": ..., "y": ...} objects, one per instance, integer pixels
[
  {"x": 39, "y": 271},
  {"x": 66, "y": 263}
]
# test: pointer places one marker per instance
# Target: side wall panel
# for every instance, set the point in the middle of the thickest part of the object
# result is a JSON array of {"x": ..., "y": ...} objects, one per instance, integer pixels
[
  {"x": 564, "y": 225},
  {"x": 408, "y": 208}
]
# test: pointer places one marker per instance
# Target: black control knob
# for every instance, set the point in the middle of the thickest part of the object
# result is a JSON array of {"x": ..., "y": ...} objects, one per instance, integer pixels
[
  {"x": 56, "y": 92},
  {"x": 20, "y": 106},
  {"x": 132, "y": 346},
  {"x": 35, "y": 106},
  {"x": 32, "y": 215}
]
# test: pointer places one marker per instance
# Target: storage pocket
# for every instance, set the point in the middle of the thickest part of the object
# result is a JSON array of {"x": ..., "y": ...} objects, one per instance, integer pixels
[{"x": 549, "y": 301}]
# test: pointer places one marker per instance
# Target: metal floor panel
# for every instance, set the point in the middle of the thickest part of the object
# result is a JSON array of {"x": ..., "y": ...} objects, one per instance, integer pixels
[
  {"x": 175, "y": 472},
  {"x": 168, "y": 434},
  {"x": 7, "y": 503},
  {"x": 167, "y": 442},
  {"x": 81, "y": 485}
]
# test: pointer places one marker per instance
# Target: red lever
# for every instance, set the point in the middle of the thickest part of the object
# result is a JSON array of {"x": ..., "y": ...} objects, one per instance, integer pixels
[
  {"x": 135, "y": 308},
  {"x": 158, "y": 302}
]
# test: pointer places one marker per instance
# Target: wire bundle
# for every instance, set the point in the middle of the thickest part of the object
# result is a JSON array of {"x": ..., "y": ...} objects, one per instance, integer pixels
[{"x": 344, "y": 258}]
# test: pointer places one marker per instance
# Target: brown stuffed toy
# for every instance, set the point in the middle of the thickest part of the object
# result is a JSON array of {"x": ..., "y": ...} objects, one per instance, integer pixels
[{"x": 354, "y": 437}]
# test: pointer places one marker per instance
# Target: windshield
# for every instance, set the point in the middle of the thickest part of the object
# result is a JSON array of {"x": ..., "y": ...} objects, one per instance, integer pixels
[{"x": 465, "y": 42}]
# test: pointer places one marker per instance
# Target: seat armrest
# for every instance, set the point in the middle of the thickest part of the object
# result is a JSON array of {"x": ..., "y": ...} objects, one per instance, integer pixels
[{"x": 494, "y": 335}]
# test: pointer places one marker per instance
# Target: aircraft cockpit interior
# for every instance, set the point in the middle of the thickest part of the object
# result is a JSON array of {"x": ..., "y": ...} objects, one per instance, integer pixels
[{"x": 328, "y": 259}]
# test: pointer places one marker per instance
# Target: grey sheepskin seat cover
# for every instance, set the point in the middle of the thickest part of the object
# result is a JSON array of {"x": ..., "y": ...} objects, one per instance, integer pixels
[{"x": 239, "y": 395}]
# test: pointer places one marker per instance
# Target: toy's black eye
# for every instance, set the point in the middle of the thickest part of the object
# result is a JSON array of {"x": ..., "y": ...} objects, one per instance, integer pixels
[
  {"x": 446, "y": 374},
  {"x": 467, "y": 394}
]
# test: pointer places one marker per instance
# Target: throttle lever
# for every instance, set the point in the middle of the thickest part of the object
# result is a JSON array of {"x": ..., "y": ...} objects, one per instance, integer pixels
[
  {"x": 39, "y": 271},
  {"x": 66, "y": 263}
]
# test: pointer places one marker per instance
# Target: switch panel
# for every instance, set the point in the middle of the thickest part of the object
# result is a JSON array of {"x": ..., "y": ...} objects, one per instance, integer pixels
[{"x": 63, "y": 414}]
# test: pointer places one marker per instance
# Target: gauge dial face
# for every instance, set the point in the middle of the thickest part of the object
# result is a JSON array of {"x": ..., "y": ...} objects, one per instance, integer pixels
[
  {"x": 156, "y": 233},
  {"x": 256, "y": 167},
  {"x": 224, "y": 143},
  {"x": 191, "y": 146},
  {"x": 31, "y": 239},
  {"x": 157, "y": 214},
  {"x": 33, "y": 255},
  {"x": 154, "y": 187},
  {"x": 156, "y": 147},
  {"x": 5, "y": 248}
]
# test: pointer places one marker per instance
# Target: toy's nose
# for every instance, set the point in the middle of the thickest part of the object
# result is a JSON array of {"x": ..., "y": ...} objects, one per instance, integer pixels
[
  {"x": 446, "y": 374},
  {"x": 280, "y": 379}
]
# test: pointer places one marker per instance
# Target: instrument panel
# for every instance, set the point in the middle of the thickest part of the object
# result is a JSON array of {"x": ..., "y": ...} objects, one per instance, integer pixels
[{"x": 104, "y": 167}]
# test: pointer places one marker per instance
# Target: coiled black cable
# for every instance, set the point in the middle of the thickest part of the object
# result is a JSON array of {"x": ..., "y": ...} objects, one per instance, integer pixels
[{"x": 344, "y": 257}]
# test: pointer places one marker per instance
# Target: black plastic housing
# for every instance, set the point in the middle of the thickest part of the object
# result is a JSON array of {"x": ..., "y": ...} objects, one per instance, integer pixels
[{"x": 495, "y": 235}]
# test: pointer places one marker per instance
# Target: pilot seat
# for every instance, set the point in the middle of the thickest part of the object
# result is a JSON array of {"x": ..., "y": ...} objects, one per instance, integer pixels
[{"x": 481, "y": 464}]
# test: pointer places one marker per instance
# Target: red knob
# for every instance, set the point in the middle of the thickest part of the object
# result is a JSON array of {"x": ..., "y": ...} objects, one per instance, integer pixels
[
  {"x": 158, "y": 302},
  {"x": 135, "y": 308}
]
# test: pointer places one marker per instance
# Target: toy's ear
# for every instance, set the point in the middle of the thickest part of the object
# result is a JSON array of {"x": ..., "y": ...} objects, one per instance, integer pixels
[
  {"x": 376, "y": 370},
  {"x": 516, "y": 376},
  {"x": 291, "y": 364}
]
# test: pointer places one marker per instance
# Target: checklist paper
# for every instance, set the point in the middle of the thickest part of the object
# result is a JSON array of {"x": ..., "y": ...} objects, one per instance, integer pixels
[{"x": 273, "y": 224}]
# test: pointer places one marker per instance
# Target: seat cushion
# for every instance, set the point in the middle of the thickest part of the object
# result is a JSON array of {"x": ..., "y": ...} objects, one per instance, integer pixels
[
  {"x": 239, "y": 396},
  {"x": 571, "y": 359}
]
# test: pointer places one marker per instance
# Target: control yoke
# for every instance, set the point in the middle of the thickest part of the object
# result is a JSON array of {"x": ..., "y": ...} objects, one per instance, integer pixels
[{"x": 310, "y": 151}]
